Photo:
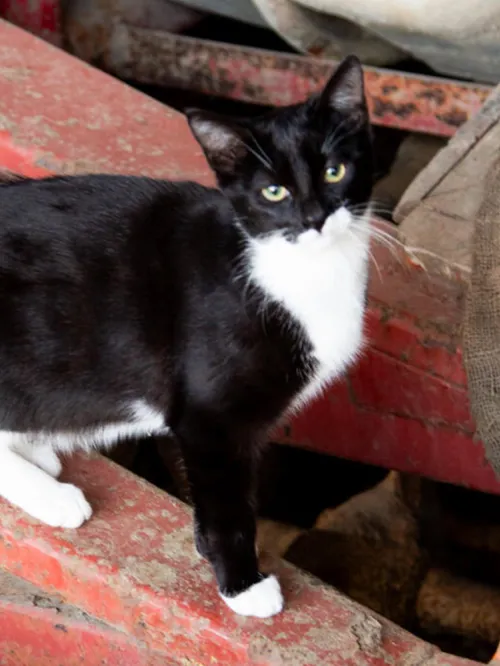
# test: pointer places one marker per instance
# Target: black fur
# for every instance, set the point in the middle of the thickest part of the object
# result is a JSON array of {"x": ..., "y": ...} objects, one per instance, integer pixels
[{"x": 114, "y": 289}]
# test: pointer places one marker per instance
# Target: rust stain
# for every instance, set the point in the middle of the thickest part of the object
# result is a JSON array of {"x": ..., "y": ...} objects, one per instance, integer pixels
[
  {"x": 437, "y": 95},
  {"x": 273, "y": 79},
  {"x": 382, "y": 107},
  {"x": 454, "y": 117}
]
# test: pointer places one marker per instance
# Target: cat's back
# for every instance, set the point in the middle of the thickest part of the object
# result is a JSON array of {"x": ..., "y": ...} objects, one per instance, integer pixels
[
  {"x": 77, "y": 203},
  {"x": 56, "y": 221}
]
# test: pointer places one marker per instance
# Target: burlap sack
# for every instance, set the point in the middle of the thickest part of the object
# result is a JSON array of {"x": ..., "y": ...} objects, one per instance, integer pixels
[{"x": 481, "y": 334}]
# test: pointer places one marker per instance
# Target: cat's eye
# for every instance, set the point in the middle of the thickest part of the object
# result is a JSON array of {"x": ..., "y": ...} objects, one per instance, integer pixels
[
  {"x": 275, "y": 193},
  {"x": 334, "y": 174}
]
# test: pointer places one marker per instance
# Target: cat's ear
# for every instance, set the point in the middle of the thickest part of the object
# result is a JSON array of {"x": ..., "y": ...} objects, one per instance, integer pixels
[
  {"x": 223, "y": 141},
  {"x": 345, "y": 91}
]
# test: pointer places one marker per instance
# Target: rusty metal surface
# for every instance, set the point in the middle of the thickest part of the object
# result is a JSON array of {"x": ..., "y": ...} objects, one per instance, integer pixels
[
  {"x": 59, "y": 114},
  {"x": 89, "y": 24},
  {"x": 38, "y": 629},
  {"x": 134, "y": 566},
  {"x": 423, "y": 104}
]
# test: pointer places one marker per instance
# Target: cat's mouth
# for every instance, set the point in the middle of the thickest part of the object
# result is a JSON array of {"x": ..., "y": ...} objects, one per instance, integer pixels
[
  {"x": 337, "y": 223},
  {"x": 334, "y": 227}
]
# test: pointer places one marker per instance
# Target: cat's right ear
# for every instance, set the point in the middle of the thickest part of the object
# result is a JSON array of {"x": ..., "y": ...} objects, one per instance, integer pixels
[
  {"x": 223, "y": 142},
  {"x": 345, "y": 91}
]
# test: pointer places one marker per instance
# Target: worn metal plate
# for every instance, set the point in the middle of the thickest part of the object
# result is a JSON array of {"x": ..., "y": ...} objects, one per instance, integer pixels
[
  {"x": 404, "y": 101},
  {"x": 134, "y": 567}
]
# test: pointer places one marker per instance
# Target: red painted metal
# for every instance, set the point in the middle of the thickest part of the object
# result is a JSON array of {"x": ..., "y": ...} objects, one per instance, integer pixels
[
  {"x": 134, "y": 566},
  {"x": 40, "y": 17},
  {"x": 49, "y": 123},
  {"x": 39, "y": 630},
  {"x": 416, "y": 103}
]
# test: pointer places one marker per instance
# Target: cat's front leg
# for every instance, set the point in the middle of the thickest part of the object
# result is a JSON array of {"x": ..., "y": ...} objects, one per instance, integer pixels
[{"x": 220, "y": 474}]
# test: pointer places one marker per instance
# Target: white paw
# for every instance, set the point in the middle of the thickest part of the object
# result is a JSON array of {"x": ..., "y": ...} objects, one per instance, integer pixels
[
  {"x": 64, "y": 506},
  {"x": 262, "y": 599}
]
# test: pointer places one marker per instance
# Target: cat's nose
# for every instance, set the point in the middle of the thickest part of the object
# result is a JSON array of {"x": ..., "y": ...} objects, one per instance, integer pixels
[{"x": 314, "y": 217}]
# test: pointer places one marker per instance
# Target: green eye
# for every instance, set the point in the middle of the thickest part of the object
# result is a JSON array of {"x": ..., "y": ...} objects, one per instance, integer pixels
[
  {"x": 334, "y": 174},
  {"x": 275, "y": 193}
]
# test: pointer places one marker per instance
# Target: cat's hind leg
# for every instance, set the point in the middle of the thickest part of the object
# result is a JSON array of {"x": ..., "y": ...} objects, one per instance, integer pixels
[{"x": 36, "y": 492}]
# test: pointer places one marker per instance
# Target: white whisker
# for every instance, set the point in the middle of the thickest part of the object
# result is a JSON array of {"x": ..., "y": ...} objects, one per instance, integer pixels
[
  {"x": 261, "y": 159},
  {"x": 262, "y": 151},
  {"x": 381, "y": 237},
  {"x": 413, "y": 251},
  {"x": 384, "y": 234},
  {"x": 372, "y": 257},
  {"x": 329, "y": 142},
  {"x": 341, "y": 137},
  {"x": 391, "y": 248}
]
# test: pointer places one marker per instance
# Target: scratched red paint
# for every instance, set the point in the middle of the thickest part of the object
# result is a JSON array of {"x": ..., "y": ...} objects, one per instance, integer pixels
[
  {"x": 401, "y": 338},
  {"x": 134, "y": 567},
  {"x": 32, "y": 636},
  {"x": 16, "y": 160},
  {"x": 393, "y": 386}
]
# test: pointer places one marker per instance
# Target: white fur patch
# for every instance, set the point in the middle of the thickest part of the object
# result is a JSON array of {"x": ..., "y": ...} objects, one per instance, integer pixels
[
  {"x": 29, "y": 465},
  {"x": 144, "y": 421},
  {"x": 263, "y": 599},
  {"x": 321, "y": 280}
]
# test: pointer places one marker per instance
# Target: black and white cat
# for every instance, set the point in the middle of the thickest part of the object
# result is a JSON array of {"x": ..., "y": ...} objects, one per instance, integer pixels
[{"x": 131, "y": 306}]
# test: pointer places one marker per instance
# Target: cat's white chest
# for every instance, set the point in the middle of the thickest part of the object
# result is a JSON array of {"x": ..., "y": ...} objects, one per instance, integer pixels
[{"x": 322, "y": 284}]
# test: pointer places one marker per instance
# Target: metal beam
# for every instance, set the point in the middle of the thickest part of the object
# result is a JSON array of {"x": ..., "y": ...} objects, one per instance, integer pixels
[{"x": 404, "y": 101}]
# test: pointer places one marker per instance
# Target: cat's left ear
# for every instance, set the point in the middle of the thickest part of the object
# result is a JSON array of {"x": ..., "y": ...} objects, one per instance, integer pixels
[
  {"x": 345, "y": 91},
  {"x": 223, "y": 141}
]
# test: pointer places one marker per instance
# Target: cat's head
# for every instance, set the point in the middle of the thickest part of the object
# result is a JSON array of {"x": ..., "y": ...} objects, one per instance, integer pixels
[{"x": 303, "y": 168}]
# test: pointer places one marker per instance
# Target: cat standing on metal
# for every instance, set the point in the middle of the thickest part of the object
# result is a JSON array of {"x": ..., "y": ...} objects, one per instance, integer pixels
[{"x": 131, "y": 306}]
